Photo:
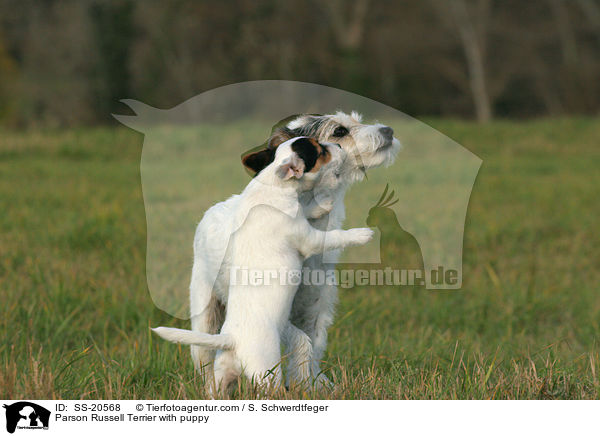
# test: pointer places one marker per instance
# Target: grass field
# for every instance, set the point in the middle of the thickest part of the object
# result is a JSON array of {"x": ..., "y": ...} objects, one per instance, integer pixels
[{"x": 75, "y": 309}]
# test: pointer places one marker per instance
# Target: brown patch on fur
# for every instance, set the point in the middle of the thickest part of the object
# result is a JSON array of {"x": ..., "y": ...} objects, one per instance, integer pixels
[
  {"x": 324, "y": 155},
  {"x": 216, "y": 315}
]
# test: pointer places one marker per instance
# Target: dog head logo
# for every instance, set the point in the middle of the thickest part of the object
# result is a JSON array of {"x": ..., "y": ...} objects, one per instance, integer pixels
[
  {"x": 191, "y": 161},
  {"x": 26, "y": 415}
]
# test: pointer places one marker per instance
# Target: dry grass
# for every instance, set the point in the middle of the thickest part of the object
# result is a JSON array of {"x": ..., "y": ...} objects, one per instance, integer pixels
[{"x": 75, "y": 310}]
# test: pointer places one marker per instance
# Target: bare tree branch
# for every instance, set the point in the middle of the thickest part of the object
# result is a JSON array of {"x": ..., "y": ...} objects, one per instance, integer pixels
[
  {"x": 472, "y": 35},
  {"x": 348, "y": 31},
  {"x": 568, "y": 42}
]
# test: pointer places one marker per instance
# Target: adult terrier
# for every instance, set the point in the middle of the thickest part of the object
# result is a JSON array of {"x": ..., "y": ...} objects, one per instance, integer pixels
[{"x": 367, "y": 146}]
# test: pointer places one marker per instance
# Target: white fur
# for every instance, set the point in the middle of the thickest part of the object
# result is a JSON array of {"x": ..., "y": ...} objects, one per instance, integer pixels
[
  {"x": 314, "y": 306},
  {"x": 270, "y": 233}
]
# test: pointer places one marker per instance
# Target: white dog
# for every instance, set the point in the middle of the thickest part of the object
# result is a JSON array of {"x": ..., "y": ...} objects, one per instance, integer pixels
[
  {"x": 368, "y": 146},
  {"x": 271, "y": 235}
]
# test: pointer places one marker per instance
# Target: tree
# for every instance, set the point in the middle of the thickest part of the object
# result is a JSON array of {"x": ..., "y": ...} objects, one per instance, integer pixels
[
  {"x": 348, "y": 20},
  {"x": 471, "y": 27}
]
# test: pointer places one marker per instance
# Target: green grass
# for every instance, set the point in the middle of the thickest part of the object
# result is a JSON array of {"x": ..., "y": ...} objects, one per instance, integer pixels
[{"x": 75, "y": 308}]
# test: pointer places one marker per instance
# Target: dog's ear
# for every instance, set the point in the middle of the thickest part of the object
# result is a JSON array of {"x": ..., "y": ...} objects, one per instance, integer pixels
[
  {"x": 292, "y": 166},
  {"x": 279, "y": 137},
  {"x": 258, "y": 160}
]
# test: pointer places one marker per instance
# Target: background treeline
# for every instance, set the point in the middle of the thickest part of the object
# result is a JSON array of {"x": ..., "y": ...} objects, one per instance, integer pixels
[{"x": 69, "y": 62}]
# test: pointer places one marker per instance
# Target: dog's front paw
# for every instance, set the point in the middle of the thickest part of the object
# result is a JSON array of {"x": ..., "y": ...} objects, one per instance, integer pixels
[
  {"x": 360, "y": 236},
  {"x": 321, "y": 205},
  {"x": 325, "y": 201}
]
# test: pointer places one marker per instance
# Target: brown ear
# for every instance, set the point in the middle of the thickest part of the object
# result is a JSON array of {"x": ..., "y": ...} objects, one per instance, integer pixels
[
  {"x": 258, "y": 160},
  {"x": 278, "y": 137}
]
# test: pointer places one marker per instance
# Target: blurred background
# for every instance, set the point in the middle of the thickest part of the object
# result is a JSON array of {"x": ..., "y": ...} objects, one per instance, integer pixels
[
  {"x": 514, "y": 82},
  {"x": 67, "y": 63}
]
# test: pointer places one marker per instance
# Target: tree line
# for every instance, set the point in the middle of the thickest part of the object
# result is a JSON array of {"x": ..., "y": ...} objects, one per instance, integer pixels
[{"x": 69, "y": 62}]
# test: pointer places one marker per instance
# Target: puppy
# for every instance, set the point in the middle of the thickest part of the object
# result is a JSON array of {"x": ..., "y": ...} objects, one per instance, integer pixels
[
  {"x": 271, "y": 235},
  {"x": 367, "y": 146}
]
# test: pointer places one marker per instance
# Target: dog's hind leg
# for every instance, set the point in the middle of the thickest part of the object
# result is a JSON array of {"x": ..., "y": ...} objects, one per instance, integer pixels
[
  {"x": 226, "y": 369},
  {"x": 313, "y": 312},
  {"x": 300, "y": 354},
  {"x": 260, "y": 358},
  {"x": 208, "y": 321},
  {"x": 323, "y": 312},
  {"x": 207, "y": 315}
]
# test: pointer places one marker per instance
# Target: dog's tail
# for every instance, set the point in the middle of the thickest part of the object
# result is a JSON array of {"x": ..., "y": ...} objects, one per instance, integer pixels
[{"x": 188, "y": 337}]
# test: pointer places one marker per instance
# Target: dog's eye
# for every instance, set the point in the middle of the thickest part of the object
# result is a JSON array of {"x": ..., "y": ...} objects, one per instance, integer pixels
[{"x": 340, "y": 131}]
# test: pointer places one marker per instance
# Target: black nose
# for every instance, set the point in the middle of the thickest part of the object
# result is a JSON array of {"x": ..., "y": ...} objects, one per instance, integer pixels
[{"x": 387, "y": 132}]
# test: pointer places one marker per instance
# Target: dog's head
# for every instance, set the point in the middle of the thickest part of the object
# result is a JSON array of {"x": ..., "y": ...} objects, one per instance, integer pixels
[
  {"x": 367, "y": 145},
  {"x": 307, "y": 160}
]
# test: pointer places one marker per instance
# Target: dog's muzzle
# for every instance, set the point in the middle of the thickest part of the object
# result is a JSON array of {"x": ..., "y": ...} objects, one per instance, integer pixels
[{"x": 387, "y": 133}]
